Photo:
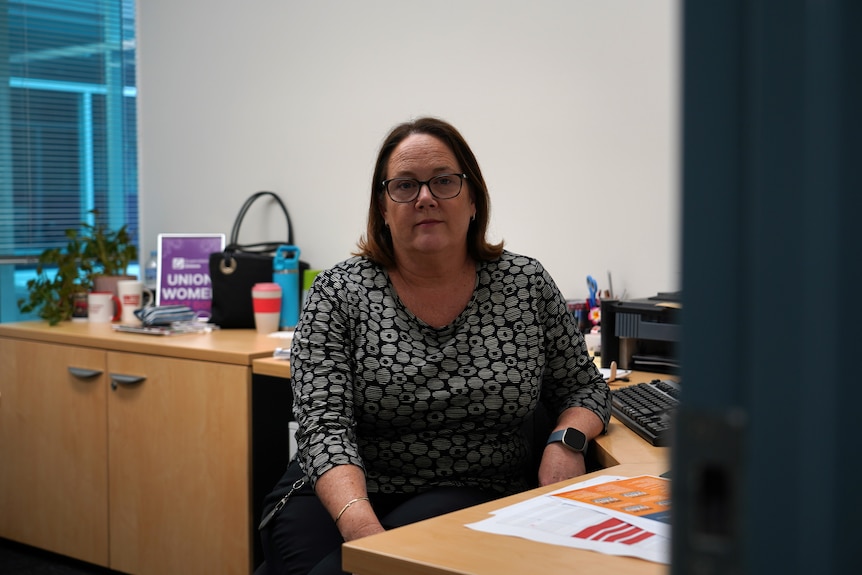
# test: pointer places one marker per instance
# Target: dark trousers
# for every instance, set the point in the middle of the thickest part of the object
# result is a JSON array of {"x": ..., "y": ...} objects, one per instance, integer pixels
[{"x": 303, "y": 539}]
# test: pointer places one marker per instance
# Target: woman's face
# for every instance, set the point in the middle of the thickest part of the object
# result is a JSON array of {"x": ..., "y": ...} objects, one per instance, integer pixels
[{"x": 426, "y": 225}]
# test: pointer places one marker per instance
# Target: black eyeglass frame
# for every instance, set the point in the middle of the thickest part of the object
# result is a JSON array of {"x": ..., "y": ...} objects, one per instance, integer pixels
[{"x": 385, "y": 187}]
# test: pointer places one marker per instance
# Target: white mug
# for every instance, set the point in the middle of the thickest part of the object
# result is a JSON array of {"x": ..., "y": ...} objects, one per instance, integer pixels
[
  {"x": 133, "y": 296},
  {"x": 103, "y": 307}
]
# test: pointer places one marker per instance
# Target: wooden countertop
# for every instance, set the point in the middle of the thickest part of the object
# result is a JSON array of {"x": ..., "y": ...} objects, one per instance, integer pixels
[
  {"x": 271, "y": 366},
  {"x": 234, "y": 346}
]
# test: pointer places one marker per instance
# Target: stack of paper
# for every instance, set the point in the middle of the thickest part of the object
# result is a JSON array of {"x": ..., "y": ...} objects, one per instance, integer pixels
[{"x": 610, "y": 514}]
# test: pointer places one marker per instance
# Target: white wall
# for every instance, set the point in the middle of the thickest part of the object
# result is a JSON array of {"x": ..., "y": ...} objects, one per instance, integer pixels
[{"x": 571, "y": 106}]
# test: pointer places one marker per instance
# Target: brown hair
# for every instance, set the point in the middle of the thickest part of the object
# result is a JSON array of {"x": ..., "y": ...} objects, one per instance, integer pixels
[{"x": 376, "y": 244}]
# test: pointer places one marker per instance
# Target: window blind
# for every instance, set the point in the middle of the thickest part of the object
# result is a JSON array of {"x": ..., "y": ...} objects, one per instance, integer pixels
[{"x": 68, "y": 138}]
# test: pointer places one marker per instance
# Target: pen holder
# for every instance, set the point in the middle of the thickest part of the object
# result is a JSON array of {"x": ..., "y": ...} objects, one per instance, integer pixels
[{"x": 285, "y": 272}]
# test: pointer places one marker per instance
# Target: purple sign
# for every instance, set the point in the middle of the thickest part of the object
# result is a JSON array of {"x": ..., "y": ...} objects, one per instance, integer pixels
[{"x": 184, "y": 275}]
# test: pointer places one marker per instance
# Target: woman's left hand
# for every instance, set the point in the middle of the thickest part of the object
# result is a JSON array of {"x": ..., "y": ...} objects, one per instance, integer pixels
[{"x": 560, "y": 463}]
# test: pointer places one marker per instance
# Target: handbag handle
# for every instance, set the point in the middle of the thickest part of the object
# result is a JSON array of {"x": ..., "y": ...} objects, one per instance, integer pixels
[{"x": 262, "y": 247}]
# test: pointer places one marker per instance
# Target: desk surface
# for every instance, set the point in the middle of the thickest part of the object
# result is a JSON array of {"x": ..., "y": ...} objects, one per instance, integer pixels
[
  {"x": 271, "y": 366},
  {"x": 444, "y": 546},
  {"x": 234, "y": 346}
]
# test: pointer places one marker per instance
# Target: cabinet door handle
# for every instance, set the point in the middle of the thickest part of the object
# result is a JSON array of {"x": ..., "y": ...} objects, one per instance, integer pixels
[
  {"x": 84, "y": 373},
  {"x": 118, "y": 379}
]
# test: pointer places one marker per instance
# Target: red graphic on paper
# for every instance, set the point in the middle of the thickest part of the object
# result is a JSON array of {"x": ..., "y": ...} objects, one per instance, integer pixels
[{"x": 614, "y": 531}]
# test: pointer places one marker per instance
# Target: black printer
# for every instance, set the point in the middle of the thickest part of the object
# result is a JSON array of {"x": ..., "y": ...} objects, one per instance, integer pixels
[{"x": 642, "y": 334}]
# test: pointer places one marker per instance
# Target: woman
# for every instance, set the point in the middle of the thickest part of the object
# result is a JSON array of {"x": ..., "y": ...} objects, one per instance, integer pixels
[{"x": 417, "y": 362}]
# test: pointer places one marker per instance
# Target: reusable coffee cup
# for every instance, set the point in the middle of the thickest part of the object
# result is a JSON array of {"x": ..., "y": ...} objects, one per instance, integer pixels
[
  {"x": 103, "y": 307},
  {"x": 133, "y": 296},
  {"x": 266, "y": 301}
]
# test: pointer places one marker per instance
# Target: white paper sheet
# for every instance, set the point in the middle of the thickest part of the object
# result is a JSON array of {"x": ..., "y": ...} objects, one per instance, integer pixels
[{"x": 559, "y": 521}]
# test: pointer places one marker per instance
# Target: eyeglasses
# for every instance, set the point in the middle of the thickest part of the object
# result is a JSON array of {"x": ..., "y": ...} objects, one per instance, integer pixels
[{"x": 442, "y": 187}]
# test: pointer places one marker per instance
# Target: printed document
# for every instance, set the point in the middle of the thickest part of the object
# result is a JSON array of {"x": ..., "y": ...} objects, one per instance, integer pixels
[{"x": 609, "y": 514}]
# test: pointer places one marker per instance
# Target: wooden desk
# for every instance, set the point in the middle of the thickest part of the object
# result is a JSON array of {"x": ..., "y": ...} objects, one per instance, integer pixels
[
  {"x": 271, "y": 366},
  {"x": 233, "y": 346},
  {"x": 444, "y": 546}
]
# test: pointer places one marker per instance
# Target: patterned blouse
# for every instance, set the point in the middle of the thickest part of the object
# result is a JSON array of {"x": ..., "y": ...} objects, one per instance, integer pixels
[{"x": 417, "y": 406}]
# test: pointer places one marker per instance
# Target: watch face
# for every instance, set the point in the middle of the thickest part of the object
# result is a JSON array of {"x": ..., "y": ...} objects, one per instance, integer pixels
[
  {"x": 575, "y": 439},
  {"x": 571, "y": 438}
]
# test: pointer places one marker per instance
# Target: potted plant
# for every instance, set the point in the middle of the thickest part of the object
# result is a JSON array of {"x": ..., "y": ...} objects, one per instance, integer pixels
[
  {"x": 106, "y": 256},
  {"x": 91, "y": 252}
]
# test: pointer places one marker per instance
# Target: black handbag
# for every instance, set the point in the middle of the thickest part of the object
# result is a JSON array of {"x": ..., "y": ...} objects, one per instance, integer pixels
[{"x": 235, "y": 270}]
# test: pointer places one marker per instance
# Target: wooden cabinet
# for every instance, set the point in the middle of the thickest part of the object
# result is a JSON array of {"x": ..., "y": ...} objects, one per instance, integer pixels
[{"x": 135, "y": 460}]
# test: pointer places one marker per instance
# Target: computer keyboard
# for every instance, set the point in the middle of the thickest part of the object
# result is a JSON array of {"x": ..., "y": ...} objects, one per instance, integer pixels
[{"x": 647, "y": 408}]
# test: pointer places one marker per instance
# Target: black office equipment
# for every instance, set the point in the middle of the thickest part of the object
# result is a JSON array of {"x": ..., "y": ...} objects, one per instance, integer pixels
[
  {"x": 647, "y": 409},
  {"x": 642, "y": 334}
]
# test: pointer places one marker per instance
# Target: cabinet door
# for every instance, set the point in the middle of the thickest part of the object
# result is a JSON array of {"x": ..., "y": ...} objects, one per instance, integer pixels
[
  {"x": 179, "y": 466},
  {"x": 53, "y": 448}
]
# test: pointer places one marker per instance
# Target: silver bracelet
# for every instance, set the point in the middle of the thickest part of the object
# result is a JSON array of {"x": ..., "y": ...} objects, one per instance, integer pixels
[{"x": 346, "y": 505}]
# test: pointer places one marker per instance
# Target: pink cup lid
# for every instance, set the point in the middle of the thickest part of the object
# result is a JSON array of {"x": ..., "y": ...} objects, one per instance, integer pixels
[{"x": 268, "y": 286}]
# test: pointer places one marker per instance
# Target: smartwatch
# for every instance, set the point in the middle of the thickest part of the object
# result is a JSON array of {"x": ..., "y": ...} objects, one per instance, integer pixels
[{"x": 571, "y": 438}]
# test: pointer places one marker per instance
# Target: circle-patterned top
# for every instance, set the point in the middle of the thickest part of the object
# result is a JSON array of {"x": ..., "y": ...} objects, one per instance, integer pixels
[{"x": 417, "y": 406}]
